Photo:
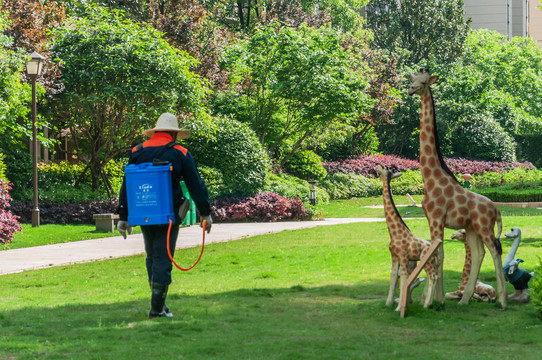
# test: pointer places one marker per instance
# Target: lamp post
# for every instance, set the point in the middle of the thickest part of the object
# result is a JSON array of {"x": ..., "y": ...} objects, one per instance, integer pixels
[
  {"x": 312, "y": 194},
  {"x": 33, "y": 69}
]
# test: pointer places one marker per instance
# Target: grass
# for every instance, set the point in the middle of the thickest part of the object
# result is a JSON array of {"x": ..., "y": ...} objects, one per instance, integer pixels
[
  {"x": 367, "y": 207},
  {"x": 56, "y": 234},
  {"x": 309, "y": 294},
  {"x": 354, "y": 208}
]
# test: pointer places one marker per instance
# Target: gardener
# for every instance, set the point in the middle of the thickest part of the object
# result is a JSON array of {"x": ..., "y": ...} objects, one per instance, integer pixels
[{"x": 161, "y": 147}]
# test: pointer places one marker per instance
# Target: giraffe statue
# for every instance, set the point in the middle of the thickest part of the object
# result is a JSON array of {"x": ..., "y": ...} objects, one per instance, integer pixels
[
  {"x": 404, "y": 246},
  {"x": 447, "y": 204},
  {"x": 483, "y": 292}
]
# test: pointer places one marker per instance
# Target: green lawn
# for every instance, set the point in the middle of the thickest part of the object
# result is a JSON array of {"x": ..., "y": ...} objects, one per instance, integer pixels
[{"x": 309, "y": 294}]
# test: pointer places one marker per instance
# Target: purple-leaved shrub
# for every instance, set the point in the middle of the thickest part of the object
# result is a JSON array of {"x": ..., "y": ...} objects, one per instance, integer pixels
[
  {"x": 259, "y": 207},
  {"x": 366, "y": 165}
]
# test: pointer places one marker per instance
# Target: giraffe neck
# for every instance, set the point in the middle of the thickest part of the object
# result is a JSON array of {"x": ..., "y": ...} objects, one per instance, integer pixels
[
  {"x": 431, "y": 161},
  {"x": 389, "y": 206}
]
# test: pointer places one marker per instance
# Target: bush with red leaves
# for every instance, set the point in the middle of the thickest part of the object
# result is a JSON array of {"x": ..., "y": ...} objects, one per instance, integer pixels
[
  {"x": 9, "y": 223},
  {"x": 63, "y": 213},
  {"x": 366, "y": 165},
  {"x": 259, "y": 207}
]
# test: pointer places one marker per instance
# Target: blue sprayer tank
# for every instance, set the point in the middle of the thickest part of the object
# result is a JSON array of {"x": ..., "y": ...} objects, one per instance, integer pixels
[{"x": 149, "y": 191}]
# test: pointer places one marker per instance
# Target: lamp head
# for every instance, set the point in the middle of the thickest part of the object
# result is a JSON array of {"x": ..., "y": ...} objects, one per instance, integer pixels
[{"x": 35, "y": 65}]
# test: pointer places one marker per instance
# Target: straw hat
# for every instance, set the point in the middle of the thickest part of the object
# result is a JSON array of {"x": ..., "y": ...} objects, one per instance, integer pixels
[{"x": 168, "y": 122}]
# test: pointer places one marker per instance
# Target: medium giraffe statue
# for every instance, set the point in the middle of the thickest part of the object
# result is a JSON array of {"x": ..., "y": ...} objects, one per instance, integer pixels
[
  {"x": 447, "y": 204},
  {"x": 483, "y": 292},
  {"x": 404, "y": 246}
]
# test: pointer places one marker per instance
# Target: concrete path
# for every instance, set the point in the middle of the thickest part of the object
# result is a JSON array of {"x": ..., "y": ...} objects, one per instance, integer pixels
[{"x": 17, "y": 260}]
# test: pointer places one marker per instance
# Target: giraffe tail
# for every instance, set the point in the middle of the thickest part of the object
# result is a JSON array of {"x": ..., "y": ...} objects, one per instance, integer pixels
[{"x": 497, "y": 242}]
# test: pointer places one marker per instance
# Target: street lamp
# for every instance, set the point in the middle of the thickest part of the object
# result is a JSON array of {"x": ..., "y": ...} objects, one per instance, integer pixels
[{"x": 33, "y": 69}]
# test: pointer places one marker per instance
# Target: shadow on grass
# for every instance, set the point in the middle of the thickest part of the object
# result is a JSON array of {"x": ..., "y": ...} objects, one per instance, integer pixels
[{"x": 299, "y": 322}]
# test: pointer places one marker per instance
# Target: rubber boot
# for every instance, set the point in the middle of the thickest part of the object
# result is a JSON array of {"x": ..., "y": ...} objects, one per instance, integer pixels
[
  {"x": 166, "y": 308},
  {"x": 158, "y": 301}
]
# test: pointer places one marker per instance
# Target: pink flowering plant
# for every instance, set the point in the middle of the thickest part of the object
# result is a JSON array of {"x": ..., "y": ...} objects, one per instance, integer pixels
[{"x": 9, "y": 223}]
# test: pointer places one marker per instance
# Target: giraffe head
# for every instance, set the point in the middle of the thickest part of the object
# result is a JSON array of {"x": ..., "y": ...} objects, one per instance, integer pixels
[
  {"x": 421, "y": 82},
  {"x": 459, "y": 235},
  {"x": 386, "y": 174}
]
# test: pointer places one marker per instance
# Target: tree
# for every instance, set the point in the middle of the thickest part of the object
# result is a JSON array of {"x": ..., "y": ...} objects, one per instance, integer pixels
[
  {"x": 30, "y": 22},
  {"x": 496, "y": 81},
  {"x": 244, "y": 15},
  {"x": 290, "y": 84},
  {"x": 118, "y": 77},
  {"x": 14, "y": 95},
  {"x": 431, "y": 30}
]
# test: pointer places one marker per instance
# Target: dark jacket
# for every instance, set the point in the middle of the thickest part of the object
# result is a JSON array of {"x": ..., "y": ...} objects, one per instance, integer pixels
[{"x": 183, "y": 167}]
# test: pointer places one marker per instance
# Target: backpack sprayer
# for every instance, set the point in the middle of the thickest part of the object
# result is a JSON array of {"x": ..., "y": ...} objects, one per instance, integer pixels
[{"x": 150, "y": 199}]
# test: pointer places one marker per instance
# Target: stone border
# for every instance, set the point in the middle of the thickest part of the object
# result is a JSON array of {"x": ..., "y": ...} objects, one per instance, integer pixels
[{"x": 520, "y": 204}]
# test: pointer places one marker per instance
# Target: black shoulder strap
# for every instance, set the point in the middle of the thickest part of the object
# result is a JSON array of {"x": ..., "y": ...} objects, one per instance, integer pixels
[{"x": 156, "y": 160}]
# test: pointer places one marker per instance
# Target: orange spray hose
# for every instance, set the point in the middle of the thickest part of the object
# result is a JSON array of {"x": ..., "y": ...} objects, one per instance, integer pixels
[{"x": 200, "y": 254}]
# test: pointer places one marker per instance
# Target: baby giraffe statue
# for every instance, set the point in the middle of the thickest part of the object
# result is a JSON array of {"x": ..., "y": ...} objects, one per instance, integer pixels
[
  {"x": 482, "y": 292},
  {"x": 404, "y": 246}
]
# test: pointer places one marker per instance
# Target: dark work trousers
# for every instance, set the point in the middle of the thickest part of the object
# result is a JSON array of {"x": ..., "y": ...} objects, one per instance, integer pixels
[{"x": 158, "y": 263}]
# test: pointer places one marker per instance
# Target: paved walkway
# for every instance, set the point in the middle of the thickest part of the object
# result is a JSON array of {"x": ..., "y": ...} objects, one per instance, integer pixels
[{"x": 17, "y": 260}]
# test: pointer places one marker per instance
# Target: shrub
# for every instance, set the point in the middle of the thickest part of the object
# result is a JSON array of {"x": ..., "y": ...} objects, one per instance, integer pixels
[
  {"x": 232, "y": 148},
  {"x": 52, "y": 212},
  {"x": 213, "y": 178},
  {"x": 306, "y": 165},
  {"x": 491, "y": 142},
  {"x": 346, "y": 186},
  {"x": 9, "y": 223},
  {"x": 292, "y": 187},
  {"x": 260, "y": 207},
  {"x": 536, "y": 288},
  {"x": 18, "y": 168},
  {"x": 3, "y": 169},
  {"x": 366, "y": 165},
  {"x": 476, "y": 167},
  {"x": 511, "y": 194}
]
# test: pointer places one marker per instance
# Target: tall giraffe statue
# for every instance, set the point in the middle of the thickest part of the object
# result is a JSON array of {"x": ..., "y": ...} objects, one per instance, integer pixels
[
  {"x": 404, "y": 246},
  {"x": 447, "y": 204}
]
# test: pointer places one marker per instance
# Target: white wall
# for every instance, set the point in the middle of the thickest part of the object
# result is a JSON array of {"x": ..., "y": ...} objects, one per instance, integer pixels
[{"x": 488, "y": 14}]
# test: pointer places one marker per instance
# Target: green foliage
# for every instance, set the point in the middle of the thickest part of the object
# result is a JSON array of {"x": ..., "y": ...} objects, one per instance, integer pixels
[
  {"x": 18, "y": 169},
  {"x": 481, "y": 86},
  {"x": 231, "y": 148},
  {"x": 247, "y": 15},
  {"x": 419, "y": 30},
  {"x": 292, "y": 187},
  {"x": 337, "y": 142},
  {"x": 291, "y": 84},
  {"x": 14, "y": 94},
  {"x": 482, "y": 137},
  {"x": 536, "y": 288},
  {"x": 518, "y": 178},
  {"x": 347, "y": 186},
  {"x": 3, "y": 176},
  {"x": 214, "y": 180},
  {"x": 511, "y": 194},
  {"x": 306, "y": 165},
  {"x": 118, "y": 76}
]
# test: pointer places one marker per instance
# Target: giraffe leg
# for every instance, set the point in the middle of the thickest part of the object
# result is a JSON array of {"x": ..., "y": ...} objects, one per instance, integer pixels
[
  {"x": 393, "y": 281},
  {"x": 501, "y": 282},
  {"x": 431, "y": 270},
  {"x": 477, "y": 256},
  {"x": 437, "y": 232},
  {"x": 404, "y": 277}
]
